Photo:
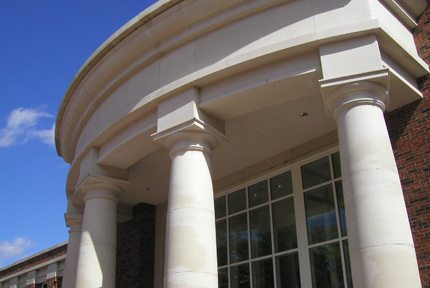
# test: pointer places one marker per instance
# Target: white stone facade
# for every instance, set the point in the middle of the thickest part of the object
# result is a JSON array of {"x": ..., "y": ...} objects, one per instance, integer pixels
[{"x": 192, "y": 100}]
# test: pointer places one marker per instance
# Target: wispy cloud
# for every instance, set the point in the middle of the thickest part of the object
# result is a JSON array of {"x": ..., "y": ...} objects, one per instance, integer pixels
[
  {"x": 23, "y": 124},
  {"x": 45, "y": 135},
  {"x": 16, "y": 247}
]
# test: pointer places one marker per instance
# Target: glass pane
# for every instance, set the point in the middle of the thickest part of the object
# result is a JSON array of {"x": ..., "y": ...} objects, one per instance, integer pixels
[
  {"x": 320, "y": 215},
  {"x": 288, "y": 271},
  {"x": 262, "y": 274},
  {"x": 281, "y": 185},
  {"x": 236, "y": 201},
  {"x": 257, "y": 193},
  {"x": 239, "y": 276},
  {"x": 347, "y": 263},
  {"x": 220, "y": 207},
  {"x": 223, "y": 278},
  {"x": 284, "y": 225},
  {"x": 261, "y": 240},
  {"x": 221, "y": 242},
  {"x": 326, "y": 266},
  {"x": 341, "y": 207},
  {"x": 316, "y": 172},
  {"x": 238, "y": 238},
  {"x": 336, "y": 164}
]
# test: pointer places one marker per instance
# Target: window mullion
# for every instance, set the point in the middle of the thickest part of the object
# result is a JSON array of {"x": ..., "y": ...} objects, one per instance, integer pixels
[
  {"x": 275, "y": 279},
  {"x": 249, "y": 237},
  {"x": 228, "y": 240},
  {"x": 302, "y": 237},
  {"x": 339, "y": 230}
]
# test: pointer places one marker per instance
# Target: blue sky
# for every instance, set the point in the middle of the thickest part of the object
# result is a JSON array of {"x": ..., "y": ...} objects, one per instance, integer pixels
[{"x": 43, "y": 44}]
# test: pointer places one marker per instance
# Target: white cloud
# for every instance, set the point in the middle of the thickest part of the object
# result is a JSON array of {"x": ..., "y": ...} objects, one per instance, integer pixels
[
  {"x": 16, "y": 247},
  {"x": 22, "y": 125},
  {"x": 45, "y": 135}
]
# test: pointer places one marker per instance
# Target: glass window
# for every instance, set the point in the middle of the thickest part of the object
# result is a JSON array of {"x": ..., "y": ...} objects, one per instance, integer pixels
[
  {"x": 284, "y": 225},
  {"x": 257, "y": 244},
  {"x": 239, "y": 276},
  {"x": 288, "y": 271},
  {"x": 221, "y": 242},
  {"x": 341, "y": 207},
  {"x": 262, "y": 274},
  {"x": 220, "y": 207},
  {"x": 316, "y": 172},
  {"x": 326, "y": 266},
  {"x": 237, "y": 201},
  {"x": 320, "y": 215},
  {"x": 281, "y": 185},
  {"x": 261, "y": 240},
  {"x": 257, "y": 194},
  {"x": 238, "y": 238},
  {"x": 223, "y": 278}
]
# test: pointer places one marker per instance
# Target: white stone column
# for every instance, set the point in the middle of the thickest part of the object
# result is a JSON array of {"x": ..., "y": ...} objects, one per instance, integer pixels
[
  {"x": 190, "y": 241},
  {"x": 97, "y": 250},
  {"x": 381, "y": 246},
  {"x": 74, "y": 222}
]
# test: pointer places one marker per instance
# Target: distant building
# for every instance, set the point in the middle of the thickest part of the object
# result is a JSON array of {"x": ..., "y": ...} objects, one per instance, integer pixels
[
  {"x": 232, "y": 143},
  {"x": 41, "y": 270}
]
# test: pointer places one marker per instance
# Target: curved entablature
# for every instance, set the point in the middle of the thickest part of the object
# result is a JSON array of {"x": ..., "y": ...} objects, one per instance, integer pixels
[
  {"x": 194, "y": 99},
  {"x": 269, "y": 47}
]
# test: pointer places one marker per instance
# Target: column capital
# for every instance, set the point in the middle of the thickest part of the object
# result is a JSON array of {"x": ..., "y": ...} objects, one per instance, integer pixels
[
  {"x": 97, "y": 186},
  {"x": 370, "y": 88},
  {"x": 73, "y": 220},
  {"x": 188, "y": 136}
]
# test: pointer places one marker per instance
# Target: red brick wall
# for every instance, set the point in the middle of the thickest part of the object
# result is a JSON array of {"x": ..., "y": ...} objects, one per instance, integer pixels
[
  {"x": 53, "y": 283},
  {"x": 135, "y": 249},
  {"x": 409, "y": 129}
]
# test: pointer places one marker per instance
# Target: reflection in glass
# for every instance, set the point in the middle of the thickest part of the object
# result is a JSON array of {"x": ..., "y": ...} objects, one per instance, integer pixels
[
  {"x": 238, "y": 238},
  {"x": 347, "y": 263},
  {"x": 320, "y": 215},
  {"x": 239, "y": 276},
  {"x": 316, "y": 172},
  {"x": 341, "y": 207},
  {"x": 223, "y": 278},
  {"x": 336, "y": 164},
  {"x": 288, "y": 271},
  {"x": 326, "y": 266},
  {"x": 261, "y": 240},
  {"x": 284, "y": 225},
  {"x": 220, "y": 207},
  {"x": 236, "y": 201},
  {"x": 262, "y": 274},
  {"x": 257, "y": 193},
  {"x": 281, "y": 185},
  {"x": 221, "y": 242}
]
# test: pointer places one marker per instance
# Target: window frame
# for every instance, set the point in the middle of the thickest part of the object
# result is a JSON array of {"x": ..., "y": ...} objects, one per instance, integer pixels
[{"x": 297, "y": 195}]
